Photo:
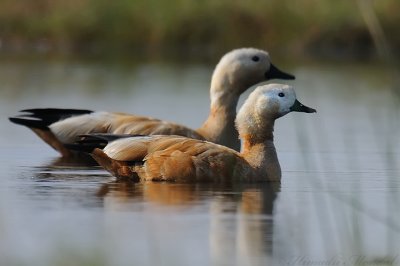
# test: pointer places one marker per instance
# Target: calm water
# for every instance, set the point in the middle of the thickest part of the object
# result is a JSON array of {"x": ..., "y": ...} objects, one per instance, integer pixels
[{"x": 338, "y": 203}]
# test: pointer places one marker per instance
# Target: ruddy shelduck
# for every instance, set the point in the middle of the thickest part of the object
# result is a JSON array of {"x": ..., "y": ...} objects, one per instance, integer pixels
[
  {"x": 235, "y": 73},
  {"x": 181, "y": 159}
]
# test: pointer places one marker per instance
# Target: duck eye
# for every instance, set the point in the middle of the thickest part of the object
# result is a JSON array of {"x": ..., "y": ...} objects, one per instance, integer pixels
[
  {"x": 255, "y": 58},
  {"x": 281, "y": 94}
]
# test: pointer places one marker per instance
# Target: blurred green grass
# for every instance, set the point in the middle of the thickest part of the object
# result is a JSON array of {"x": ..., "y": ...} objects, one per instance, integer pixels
[{"x": 303, "y": 27}]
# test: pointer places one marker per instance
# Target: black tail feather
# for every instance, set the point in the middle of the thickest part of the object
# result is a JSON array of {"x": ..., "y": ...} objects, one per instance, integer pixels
[
  {"x": 85, "y": 147},
  {"x": 106, "y": 137},
  {"x": 88, "y": 143},
  {"x": 41, "y": 118},
  {"x": 34, "y": 123}
]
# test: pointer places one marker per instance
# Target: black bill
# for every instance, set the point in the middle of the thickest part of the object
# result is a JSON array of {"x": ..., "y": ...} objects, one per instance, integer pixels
[
  {"x": 299, "y": 107},
  {"x": 275, "y": 73}
]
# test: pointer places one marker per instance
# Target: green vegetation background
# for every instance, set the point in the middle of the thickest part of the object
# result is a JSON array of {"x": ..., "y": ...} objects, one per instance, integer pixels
[{"x": 156, "y": 27}]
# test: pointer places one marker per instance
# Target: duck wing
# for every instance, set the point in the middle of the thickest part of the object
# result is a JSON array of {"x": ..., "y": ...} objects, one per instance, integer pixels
[{"x": 174, "y": 158}]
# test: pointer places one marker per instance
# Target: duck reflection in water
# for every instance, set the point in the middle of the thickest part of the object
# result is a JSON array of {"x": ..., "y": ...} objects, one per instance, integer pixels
[{"x": 240, "y": 214}]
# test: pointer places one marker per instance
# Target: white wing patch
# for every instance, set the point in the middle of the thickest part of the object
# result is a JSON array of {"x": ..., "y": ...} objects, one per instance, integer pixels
[
  {"x": 69, "y": 129},
  {"x": 120, "y": 149}
]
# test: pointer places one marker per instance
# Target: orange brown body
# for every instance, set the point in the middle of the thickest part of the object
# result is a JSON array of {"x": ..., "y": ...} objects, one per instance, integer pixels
[
  {"x": 237, "y": 71},
  {"x": 181, "y": 159}
]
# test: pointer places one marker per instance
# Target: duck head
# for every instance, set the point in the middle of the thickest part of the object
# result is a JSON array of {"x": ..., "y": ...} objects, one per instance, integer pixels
[
  {"x": 266, "y": 104},
  {"x": 242, "y": 68}
]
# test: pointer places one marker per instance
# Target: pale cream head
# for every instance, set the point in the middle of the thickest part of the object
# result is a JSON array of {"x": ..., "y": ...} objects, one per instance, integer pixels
[
  {"x": 242, "y": 68},
  {"x": 265, "y": 104}
]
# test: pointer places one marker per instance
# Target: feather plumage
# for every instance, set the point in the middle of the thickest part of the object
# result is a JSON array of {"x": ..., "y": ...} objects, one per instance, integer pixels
[
  {"x": 234, "y": 74},
  {"x": 181, "y": 159}
]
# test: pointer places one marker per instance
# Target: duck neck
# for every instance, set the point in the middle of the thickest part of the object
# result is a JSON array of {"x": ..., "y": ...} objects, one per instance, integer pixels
[
  {"x": 259, "y": 151},
  {"x": 220, "y": 124}
]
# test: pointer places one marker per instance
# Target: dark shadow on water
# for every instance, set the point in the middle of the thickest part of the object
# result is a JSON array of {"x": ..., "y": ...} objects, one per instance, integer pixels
[
  {"x": 63, "y": 183},
  {"x": 72, "y": 169},
  {"x": 81, "y": 161}
]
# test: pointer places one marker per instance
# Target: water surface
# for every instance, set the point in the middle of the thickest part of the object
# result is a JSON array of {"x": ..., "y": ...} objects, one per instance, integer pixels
[{"x": 337, "y": 202}]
